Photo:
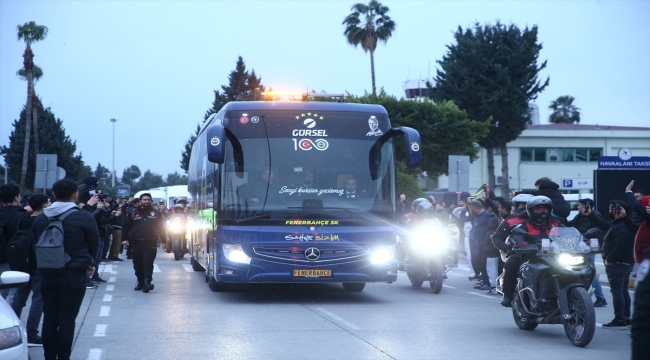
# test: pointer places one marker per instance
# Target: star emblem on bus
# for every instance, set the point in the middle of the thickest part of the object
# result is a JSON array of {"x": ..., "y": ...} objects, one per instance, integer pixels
[{"x": 310, "y": 115}]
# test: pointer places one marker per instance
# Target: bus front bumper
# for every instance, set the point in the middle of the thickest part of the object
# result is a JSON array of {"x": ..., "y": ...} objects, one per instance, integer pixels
[{"x": 261, "y": 271}]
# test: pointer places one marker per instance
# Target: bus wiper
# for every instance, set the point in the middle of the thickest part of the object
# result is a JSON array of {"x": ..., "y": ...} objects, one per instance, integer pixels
[{"x": 261, "y": 215}]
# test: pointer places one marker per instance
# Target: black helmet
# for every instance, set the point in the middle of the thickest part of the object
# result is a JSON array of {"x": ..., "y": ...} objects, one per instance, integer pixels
[
  {"x": 521, "y": 199},
  {"x": 541, "y": 218},
  {"x": 424, "y": 209}
]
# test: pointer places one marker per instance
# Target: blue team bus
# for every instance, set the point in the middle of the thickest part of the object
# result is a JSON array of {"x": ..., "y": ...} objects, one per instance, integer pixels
[{"x": 296, "y": 192}]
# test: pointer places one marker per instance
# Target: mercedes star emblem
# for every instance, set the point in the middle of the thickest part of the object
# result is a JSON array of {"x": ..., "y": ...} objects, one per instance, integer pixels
[{"x": 312, "y": 253}]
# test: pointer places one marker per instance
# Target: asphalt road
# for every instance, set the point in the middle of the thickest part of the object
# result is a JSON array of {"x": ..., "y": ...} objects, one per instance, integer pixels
[{"x": 182, "y": 319}]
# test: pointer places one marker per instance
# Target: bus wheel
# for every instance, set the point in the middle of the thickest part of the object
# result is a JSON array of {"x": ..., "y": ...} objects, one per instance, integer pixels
[
  {"x": 217, "y": 286},
  {"x": 195, "y": 265},
  {"x": 354, "y": 286}
]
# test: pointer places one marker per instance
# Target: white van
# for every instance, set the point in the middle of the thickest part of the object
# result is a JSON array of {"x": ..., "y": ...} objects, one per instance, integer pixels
[{"x": 167, "y": 194}]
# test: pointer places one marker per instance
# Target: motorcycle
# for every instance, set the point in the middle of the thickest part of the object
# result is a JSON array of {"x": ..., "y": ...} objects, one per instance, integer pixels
[
  {"x": 177, "y": 234},
  {"x": 426, "y": 256},
  {"x": 552, "y": 285}
]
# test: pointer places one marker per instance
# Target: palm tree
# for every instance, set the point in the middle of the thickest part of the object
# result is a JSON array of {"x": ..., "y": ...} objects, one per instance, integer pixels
[
  {"x": 37, "y": 72},
  {"x": 29, "y": 33},
  {"x": 564, "y": 111},
  {"x": 377, "y": 27}
]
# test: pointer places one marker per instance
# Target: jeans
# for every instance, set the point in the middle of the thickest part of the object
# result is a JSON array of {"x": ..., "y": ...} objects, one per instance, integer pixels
[
  {"x": 36, "y": 308},
  {"x": 62, "y": 298},
  {"x": 619, "y": 279},
  {"x": 144, "y": 253},
  {"x": 479, "y": 260},
  {"x": 598, "y": 290},
  {"x": 98, "y": 259}
]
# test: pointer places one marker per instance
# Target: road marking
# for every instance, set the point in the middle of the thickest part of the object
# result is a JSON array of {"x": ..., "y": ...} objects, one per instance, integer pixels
[
  {"x": 111, "y": 279},
  {"x": 96, "y": 354},
  {"x": 599, "y": 324},
  {"x": 339, "y": 319},
  {"x": 100, "y": 330},
  {"x": 448, "y": 286},
  {"x": 108, "y": 297},
  {"x": 105, "y": 311},
  {"x": 188, "y": 268},
  {"x": 107, "y": 268},
  {"x": 110, "y": 287},
  {"x": 477, "y": 294},
  {"x": 156, "y": 268}
]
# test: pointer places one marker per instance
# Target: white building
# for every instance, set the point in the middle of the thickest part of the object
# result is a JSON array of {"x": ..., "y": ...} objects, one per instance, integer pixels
[{"x": 557, "y": 151}]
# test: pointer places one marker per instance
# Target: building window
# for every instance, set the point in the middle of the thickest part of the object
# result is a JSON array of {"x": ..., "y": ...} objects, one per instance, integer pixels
[{"x": 565, "y": 154}]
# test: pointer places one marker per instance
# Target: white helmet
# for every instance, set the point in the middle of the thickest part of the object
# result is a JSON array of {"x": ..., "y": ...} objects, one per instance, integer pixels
[{"x": 521, "y": 199}]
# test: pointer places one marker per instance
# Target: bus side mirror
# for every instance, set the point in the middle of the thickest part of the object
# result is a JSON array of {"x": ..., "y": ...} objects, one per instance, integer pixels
[
  {"x": 412, "y": 145},
  {"x": 215, "y": 143}
]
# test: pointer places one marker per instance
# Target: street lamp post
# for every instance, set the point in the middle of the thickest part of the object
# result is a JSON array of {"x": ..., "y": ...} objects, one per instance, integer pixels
[{"x": 113, "y": 172}]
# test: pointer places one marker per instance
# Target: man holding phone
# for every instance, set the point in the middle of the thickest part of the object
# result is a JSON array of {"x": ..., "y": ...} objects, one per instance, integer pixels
[{"x": 618, "y": 254}]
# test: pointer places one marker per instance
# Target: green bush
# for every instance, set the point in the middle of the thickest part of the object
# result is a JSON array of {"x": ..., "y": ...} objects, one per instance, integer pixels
[{"x": 407, "y": 185}]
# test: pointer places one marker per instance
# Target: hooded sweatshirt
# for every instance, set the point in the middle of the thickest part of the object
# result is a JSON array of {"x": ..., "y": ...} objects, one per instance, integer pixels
[{"x": 81, "y": 235}]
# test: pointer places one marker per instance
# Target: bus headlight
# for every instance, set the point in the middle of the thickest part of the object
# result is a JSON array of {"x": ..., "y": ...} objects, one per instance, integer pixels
[
  {"x": 566, "y": 259},
  {"x": 235, "y": 253},
  {"x": 382, "y": 254}
]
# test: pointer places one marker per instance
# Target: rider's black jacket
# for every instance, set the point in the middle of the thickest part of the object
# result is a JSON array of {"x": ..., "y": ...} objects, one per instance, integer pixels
[
  {"x": 503, "y": 232},
  {"x": 144, "y": 224},
  {"x": 618, "y": 245}
]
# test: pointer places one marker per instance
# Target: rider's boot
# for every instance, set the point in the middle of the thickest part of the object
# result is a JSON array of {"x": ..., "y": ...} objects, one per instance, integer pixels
[{"x": 148, "y": 286}]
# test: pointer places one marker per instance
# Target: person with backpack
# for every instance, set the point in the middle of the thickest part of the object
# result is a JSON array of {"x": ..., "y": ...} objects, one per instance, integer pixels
[
  {"x": 67, "y": 242},
  {"x": 20, "y": 251},
  {"x": 12, "y": 218}
]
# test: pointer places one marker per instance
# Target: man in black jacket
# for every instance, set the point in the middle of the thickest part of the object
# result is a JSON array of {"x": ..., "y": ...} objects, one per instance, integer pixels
[
  {"x": 63, "y": 290},
  {"x": 141, "y": 230},
  {"x": 12, "y": 218},
  {"x": 618, "y": 253},
  {"x": 548, "y": 188}
]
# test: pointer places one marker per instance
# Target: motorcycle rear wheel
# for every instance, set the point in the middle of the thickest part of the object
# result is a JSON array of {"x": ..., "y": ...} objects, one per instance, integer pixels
[
  {"x": 437, "y": 274},
  {"x": 581, "y": 327},
  {"x": 415, "y": 282},
  {"x": 522, "y": 322},
  {"x": 176, "y": 248}
]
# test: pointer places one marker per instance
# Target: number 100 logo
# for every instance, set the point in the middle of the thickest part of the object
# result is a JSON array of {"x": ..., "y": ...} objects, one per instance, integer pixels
[{"x": 308, "y": 144}]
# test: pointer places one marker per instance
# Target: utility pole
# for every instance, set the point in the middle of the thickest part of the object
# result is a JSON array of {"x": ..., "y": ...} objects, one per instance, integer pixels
[{"x": 113, "y": 172}]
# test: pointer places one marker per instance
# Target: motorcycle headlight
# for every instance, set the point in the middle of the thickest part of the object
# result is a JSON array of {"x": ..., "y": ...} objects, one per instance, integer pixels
[
  {"x": 430, "y": 240},
  {"x": 382, "y": 254},
  {"x": 235, "y": 253},
  {"x": 567, "y": 259}
]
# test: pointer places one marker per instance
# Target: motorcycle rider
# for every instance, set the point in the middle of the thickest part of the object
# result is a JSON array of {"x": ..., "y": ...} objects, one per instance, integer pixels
[
  {"x": 503, "y": 232},
  {"x": 177, "y": 215},
  {"x": 423, "y": 212},
  {"x": 538, "y": 224}
]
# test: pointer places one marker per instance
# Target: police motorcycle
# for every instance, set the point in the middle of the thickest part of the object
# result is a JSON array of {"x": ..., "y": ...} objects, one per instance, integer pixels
[
  {"x": 424, "y": 250},
  {"x": 552, "y": 286},
  {"x": 177, "y": 232}
]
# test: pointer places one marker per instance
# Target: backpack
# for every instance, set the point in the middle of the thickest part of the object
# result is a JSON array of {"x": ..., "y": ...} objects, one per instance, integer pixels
[
  {"x": 20, "y": 252},
  {"x": 50, "y": 252}
]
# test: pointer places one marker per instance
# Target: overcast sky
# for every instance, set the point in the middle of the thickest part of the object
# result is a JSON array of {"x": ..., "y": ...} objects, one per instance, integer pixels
[{"x": 154, "y": 65}]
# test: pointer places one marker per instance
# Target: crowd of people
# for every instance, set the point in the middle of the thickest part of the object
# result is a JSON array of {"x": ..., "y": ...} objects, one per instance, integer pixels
[
  {"x": 96, "y": 229},
  {"x": 486, "y": 221}
]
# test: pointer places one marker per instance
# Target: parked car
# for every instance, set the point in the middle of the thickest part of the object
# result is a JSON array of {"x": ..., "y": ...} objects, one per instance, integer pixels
[
  {"x": 13, "y": 336},
  {"x": 448, "y": 197}
]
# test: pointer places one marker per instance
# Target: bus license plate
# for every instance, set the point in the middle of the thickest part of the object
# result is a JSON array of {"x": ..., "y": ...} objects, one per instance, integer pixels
[{"x": 312, "y": 273}]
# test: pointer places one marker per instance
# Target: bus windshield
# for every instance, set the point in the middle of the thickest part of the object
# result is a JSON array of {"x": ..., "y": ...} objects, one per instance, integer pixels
[{"x": 306, "y": 165}]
